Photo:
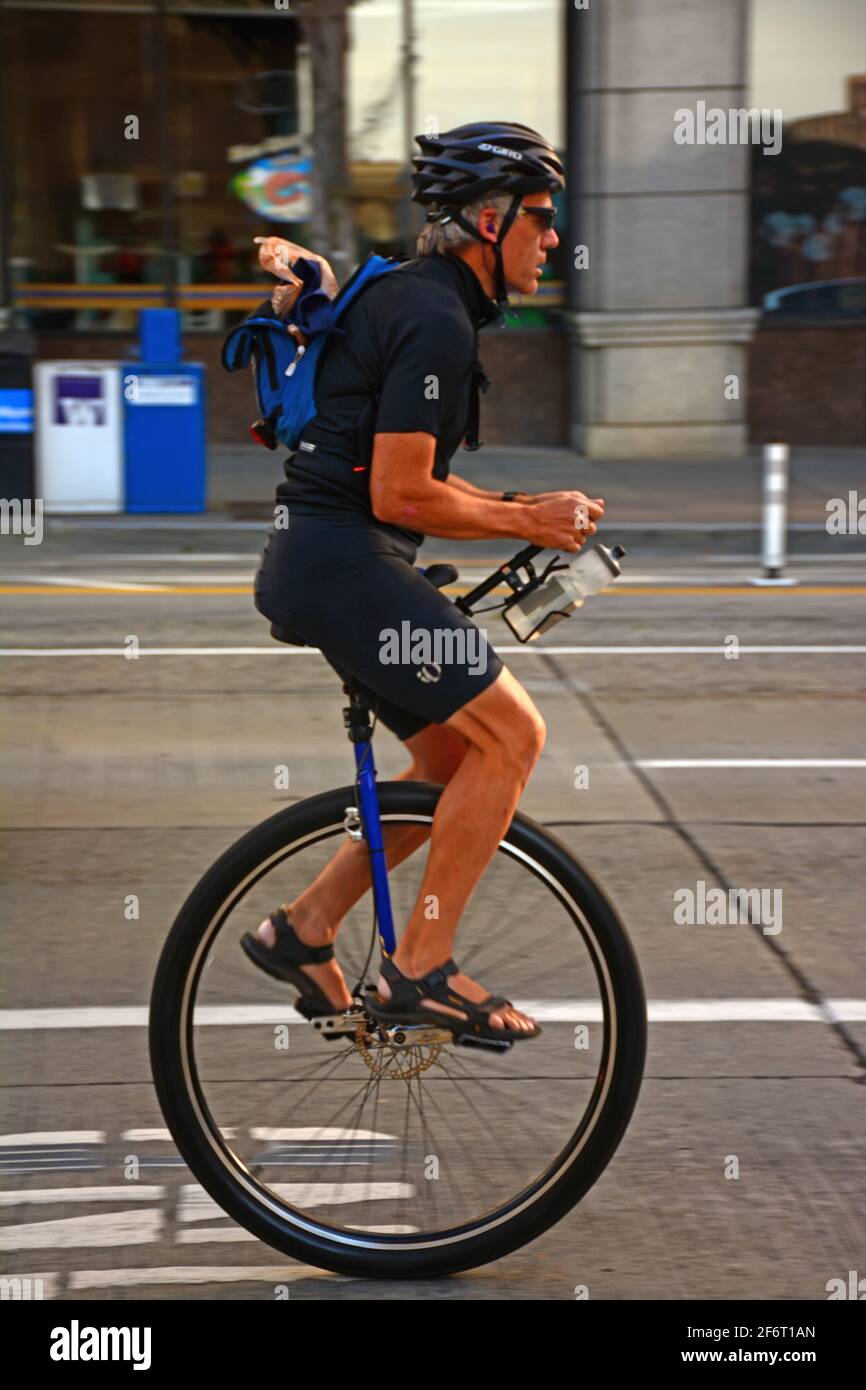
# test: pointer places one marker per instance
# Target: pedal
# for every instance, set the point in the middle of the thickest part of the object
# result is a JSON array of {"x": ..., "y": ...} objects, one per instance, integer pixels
[
  {"x": 491, "y": 1044},
  {"x": 411, "y": 1034},
  {"x": 340, "y": 1025}
]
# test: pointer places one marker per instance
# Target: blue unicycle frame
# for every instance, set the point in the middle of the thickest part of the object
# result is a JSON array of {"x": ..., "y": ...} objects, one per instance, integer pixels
[{"x": 357, "y": 720}]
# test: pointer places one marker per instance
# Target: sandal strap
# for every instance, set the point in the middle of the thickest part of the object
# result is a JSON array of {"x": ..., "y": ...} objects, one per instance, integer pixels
[
  {"x": 434, "y": 985},
  {"x": 289, "y": 948},
  {"x": 493, "y": 1004},
  {"x": 394, "y": 975},
  {"x": 405, "y": 990}
]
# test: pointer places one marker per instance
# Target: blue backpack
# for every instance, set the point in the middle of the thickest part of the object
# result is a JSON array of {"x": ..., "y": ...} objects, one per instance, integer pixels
[{"x": 285, "y": 373}]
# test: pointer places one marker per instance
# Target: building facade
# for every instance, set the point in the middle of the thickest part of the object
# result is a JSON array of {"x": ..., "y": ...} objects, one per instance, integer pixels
[{"x": 146, "y": 142}]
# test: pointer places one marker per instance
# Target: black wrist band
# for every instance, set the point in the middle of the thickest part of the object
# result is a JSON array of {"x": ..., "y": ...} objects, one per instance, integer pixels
[{"x": 510, "y": 496}]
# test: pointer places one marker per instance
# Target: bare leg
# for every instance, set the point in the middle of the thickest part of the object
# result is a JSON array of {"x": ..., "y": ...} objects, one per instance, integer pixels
[
  {"x": 505, "y": 734},
  {"x": 316, "y": 914}
]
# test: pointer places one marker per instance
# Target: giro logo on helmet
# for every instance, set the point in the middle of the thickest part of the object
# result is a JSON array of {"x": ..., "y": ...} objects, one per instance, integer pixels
[{"x": 497, "y": 149}]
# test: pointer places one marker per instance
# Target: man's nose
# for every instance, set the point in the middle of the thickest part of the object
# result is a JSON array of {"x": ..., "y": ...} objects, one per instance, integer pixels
[{"x": 550, "y": 240}]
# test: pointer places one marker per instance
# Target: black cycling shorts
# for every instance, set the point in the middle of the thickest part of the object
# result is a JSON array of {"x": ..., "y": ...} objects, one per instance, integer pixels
[{"x": 350, "y": 589}]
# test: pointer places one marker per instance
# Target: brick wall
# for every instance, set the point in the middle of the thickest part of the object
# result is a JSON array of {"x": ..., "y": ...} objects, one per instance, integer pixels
[{"x": 807, "y": 384}]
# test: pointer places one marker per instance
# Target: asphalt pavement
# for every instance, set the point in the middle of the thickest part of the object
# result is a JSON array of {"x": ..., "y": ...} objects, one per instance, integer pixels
[{"x": 720, "y": 728}]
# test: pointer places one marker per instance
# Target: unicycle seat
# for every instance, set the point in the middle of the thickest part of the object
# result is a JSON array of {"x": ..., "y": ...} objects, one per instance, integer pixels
[
  {"x": 439, "y": 575},
  {"x": 285, "y": 634}
]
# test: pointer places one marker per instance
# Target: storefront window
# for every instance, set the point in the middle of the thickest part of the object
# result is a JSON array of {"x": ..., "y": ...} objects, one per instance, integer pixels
[
  {"x": 809, "y": 200},
  {"x": 148, "y": 141},
  {"x": 136, "y": 157}
]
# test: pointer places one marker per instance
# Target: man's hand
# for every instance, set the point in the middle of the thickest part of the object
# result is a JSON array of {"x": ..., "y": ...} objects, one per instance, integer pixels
[
  {"x": 276, "y": 255},
  {"x": 561, "y": 520}
]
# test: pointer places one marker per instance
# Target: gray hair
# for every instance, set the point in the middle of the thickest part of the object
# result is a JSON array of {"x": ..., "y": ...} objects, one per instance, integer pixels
[{"x": 438, "y": 236}]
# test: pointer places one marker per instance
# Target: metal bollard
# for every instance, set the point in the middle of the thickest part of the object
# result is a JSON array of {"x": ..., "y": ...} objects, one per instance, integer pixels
[{"x": 775, "y": 514}]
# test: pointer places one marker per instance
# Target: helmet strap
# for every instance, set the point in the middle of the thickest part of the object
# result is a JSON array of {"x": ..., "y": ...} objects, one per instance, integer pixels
[
  {"x": 501, "y": 291},
  {"x": 501, "y": 288}
]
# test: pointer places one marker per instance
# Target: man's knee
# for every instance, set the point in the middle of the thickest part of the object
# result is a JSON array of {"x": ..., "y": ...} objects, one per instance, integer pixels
[
  {"x": 517, "y": 741},
  {"x": 504, "y": 721},
  {"x": 527, "y": 734}
]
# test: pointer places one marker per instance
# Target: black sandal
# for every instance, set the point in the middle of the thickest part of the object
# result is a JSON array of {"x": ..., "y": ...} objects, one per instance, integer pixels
[
  {"x": 281, "y": 961},
  {"x": 404, "y": 1005}
]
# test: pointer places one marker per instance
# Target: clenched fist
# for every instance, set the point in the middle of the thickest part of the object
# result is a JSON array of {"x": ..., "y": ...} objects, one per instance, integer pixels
[{"x": 562, "y": 520}]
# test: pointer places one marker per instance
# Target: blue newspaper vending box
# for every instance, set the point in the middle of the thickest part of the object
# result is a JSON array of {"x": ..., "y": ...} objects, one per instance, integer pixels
[
  {"x": 16, "y": 426},
  {"x": 163, "y": 421}
]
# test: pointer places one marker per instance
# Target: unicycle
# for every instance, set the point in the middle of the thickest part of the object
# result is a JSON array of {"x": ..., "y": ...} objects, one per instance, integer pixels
[{"x": 397, "y": 1152}]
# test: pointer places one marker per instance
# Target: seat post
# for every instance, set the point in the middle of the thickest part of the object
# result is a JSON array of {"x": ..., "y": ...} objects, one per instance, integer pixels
[{"x": 356, "y": 717}]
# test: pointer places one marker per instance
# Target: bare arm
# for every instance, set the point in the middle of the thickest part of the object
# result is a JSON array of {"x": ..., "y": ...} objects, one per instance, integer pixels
[
  {"x": 472, "y": 491},
  {"x": 404, "y": 492}
]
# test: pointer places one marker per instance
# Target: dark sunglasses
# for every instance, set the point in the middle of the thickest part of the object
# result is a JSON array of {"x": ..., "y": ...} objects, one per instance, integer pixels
[{"x": 545, "y": 215}]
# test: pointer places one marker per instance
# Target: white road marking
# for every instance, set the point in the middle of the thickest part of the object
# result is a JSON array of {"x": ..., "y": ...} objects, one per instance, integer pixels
[
  {"x": 44, "y": 1196},
  {"x": 684, "y": 651},
  {"x": 387, "y": 1230},
  {"x": 63, "y": 1165},
  {"x": 178, "y": 557},
  {"x": 196, "y": 1205},
  {"x": 73, "y": 1232},
  {"x": 778, "y": 1010},
  {"x": 115, "y": 1017},
  {"x": 215, "y": 1235},
  {"x": 54, "y": 1136},
  {"x": 471, "y": 565},
  {"x": 135, "y": 580},
  {"x": 132, "y": 575},
  {"x": 532, "y": 649},
  {"x": 196, "y": 1274},
  {"x": 311, "y": 1132},
  {"x": 858, "y": 557},
  {"x": 146, "y": 1136},
  {"x": 156, "y": 1136},
  {"x": 230, "y": 1235},
  {"x": 67, "y": 581},
  {"x": 275, "y": 650},
  {"x": 214, "y": 577},
  {"x": 708, "y": 1011},
  {"x": 749, "y": 762},
  {"x": 49, "y": 1280}
]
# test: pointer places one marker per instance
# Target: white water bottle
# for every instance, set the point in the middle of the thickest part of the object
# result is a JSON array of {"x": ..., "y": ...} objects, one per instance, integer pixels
[{"x": 565, "y": 590}]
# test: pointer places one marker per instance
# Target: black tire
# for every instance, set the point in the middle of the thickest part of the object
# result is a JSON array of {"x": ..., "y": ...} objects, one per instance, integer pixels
[{"x": 229, "y": 1182}]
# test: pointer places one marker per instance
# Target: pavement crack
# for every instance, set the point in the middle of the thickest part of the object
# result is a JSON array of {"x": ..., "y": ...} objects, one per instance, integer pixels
[{"x": 807, "y": 989}]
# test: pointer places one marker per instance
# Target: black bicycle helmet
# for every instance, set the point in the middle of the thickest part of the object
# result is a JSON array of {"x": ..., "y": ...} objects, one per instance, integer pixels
[{"x": 461, "y": 165}]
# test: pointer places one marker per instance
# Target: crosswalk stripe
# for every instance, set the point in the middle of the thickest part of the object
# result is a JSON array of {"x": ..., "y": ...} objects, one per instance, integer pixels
[{"x": 74, "y": 1232}]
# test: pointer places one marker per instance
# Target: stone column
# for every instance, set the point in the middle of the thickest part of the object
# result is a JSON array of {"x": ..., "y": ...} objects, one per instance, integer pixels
[{"x": 658, "y": 323}]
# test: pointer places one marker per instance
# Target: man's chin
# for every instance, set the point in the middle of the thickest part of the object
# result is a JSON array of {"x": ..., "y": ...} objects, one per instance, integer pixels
[{"x": 528, "y": 286}]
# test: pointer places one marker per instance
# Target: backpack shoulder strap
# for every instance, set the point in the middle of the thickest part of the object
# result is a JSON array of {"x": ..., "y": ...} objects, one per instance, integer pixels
[
  {"x": 480, "y": 384},
  {"x": 240, "y": 341}
]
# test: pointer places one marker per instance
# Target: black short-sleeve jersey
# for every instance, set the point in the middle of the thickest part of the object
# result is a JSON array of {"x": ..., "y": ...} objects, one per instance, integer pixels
[{"x": 402, "y": 362}]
